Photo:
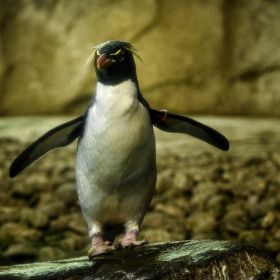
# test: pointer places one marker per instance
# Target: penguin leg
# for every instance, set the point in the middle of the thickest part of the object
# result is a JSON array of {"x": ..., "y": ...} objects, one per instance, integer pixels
[
  {"x": 129, "y": 239},
  {"x": 99, "y": 246}
]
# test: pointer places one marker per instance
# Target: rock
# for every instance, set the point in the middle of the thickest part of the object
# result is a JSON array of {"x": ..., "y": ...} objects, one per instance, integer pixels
[
  {"x": 73, "y": 221},
  {"x": 164, "y": 181},
  {"x": 78, "y": 225},
  {"x": 219, "y": 46},
  {"x": 276, "y": 159},
  {"x": 156, "y": 235},
  {"x": 197, "y": 260},
  {"x": 50, "y": 253},
  {"x": 79, "y": 84},
  {"x": 268, "y": 220},
  {"x": 54, "y": 209},
  {"x": 201, "y": 222},
  {"x": 8, "y": 214},
  {"x": 235, "y": 221},
  {"x": 253, "y": 237},
  {"x": 249, "y": 63},
  {"x": 182, "y": 182},
  {"x": 67, "y": 192},
  {"x": 68, "y": 244},
  {"x": 73, "y": 241},
  {"x": 22, "y": 190},
  {"x": 29, "y": 235},
  {"x": 201, "y": 193},
  {"x": 278, "y": 258},
  {"x": 171, "y": 210},
  {"x": 155, "y": 220},
  {"x": 157, "y": 227},
  {"x": 216, "y": 204},
  {"x": 45, "y": 198},
  {"x": 256, "y": 185},
  {"x": 273, "y": 246},
  {"x": 263, "y": 207},
  {"x": 277, "y": 235},
  {"x": 16, "y": 233},
  {"x": 204, "y": 235},
  {"x": 35, "y": 218},
  {"x": 21, "y": 251}
]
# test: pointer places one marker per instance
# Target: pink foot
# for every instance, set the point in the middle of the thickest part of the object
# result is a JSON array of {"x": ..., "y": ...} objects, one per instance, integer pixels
[
  {"x": 99, "y": 246},
  {"x": 129, "y": 240}
]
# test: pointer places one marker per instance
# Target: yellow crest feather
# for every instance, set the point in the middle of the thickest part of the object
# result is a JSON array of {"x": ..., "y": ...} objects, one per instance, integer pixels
[
  {"x": 134, "y": 52},
  {"x": 91, "y": 57}
]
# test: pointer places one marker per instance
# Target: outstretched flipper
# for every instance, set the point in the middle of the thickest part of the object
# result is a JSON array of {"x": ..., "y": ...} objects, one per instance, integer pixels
[
  {"x": 179, "y": 124},
  {"x": 59, "y": 136}
]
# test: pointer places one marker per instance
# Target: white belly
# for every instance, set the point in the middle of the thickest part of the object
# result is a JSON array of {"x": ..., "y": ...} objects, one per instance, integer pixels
[{"x": 116, "y": 168}]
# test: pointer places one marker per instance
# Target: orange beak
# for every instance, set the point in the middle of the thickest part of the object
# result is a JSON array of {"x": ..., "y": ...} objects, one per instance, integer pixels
[{"x": 102, "y": 62}]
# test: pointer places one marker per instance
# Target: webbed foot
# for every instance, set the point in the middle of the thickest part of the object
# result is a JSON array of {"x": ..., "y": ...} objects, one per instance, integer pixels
[
  {"x": 100, "y": 247},
  {"x": 129, "y": 240}
]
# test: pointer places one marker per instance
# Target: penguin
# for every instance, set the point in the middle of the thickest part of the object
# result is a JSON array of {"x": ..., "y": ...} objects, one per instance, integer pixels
[{"x": 116, "y": 153}]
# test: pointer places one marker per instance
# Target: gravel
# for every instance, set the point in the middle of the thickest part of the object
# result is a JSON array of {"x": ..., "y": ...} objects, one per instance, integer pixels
[{"x": 200, "y": 194}]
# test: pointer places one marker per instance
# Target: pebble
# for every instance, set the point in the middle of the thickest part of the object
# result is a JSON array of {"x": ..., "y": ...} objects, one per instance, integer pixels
[
  {"x": 182, "y": 182},
  {"x": 50, "y": 253},
  {"x": 201, "y": 193},
  {"x": 8, "y": 214},
  {"x": 11, "y": 233},
  {"x": 54, "y": 209},
  {"x": 216, "y": 204},
  {"x": 235, "y": 221},
  {"x": 156, "y": 235},
  {"x": 22, "y": 190},
  {"x": 164, "y": 181},
  {"x": 277, "y": 235},
  {"x": 34, "y": 218},
  {"x": 67, "y": 192},
  {"x": 200, "y": 222},
  {"x": 263, "y": 207},
  {"x": 170, "y": 210},
  {"x": 255, "y": 238},
  {"x": 155, "y": 220},
  {"x": 278, "y": 257},
  {"x": 268, "y": 220},
  {"x": 73, "y": 221},
  {"x": 273, "y": 246},
  {"x": 209, "y": 195},
  {"x": 20, "y": 251}
]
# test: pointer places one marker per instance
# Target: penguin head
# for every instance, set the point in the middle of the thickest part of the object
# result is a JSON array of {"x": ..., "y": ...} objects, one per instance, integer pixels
[{"x": 114, "y": 62}]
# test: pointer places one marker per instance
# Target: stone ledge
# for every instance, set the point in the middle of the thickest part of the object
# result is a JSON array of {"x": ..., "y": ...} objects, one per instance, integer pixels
[{"x": 193, "y": 259}]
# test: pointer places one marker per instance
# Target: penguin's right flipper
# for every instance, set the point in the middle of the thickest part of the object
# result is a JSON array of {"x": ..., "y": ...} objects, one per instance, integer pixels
[
  {"x": 59, "y": 136},
  {"x": 180, "y": 124}
]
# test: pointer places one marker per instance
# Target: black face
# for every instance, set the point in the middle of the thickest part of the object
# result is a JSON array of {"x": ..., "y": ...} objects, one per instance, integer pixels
[{"x": 114, "y": 63}]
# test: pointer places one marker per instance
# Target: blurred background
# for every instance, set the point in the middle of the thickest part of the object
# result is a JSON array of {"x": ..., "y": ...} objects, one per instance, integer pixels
[
  {"x": 218, "y": 59},
  {"x": 202, "y": 56}
]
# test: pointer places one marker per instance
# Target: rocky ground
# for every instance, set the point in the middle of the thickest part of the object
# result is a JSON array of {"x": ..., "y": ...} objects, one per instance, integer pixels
[{"x": 201, "y": 193}]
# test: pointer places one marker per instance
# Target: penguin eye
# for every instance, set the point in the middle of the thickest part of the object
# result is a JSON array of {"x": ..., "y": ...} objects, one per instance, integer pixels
[{"x": 121, "y": 56}]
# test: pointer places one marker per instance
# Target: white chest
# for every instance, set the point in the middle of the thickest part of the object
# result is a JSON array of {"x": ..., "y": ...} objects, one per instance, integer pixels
[{"x": 118, "y": 134}]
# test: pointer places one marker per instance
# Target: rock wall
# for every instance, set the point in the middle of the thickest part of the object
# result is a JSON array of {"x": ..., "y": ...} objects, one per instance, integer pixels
[{"x": 201, "y": 56}]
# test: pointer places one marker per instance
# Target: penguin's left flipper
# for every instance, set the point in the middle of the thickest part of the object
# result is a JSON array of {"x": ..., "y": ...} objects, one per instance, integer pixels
[
  {"x": 59, "y": 136},
  {"x": 179, "y": 124}
]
